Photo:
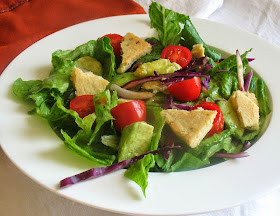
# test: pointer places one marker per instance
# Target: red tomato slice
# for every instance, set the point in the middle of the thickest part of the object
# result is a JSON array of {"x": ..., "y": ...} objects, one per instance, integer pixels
[
  {"x": 218, "y": 124},
  {"x": 115, "y": 43},
  {"x": 187, "y": 90},
  {"x": 83, "y": 105},
  {"x": 128, "y": 113},
  {"x": 179, "y": 54}
]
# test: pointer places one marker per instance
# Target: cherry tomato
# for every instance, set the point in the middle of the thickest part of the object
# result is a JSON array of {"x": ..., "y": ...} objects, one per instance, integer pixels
[
  {"x": 83, "y": 105},
  {"x": 115, "y": 43},
  {"x": 187, "y": 90},
  {"x": 128, "y": 112},
  {"x": 179, "y": 54},
  {"x": 218, "y": 124}
]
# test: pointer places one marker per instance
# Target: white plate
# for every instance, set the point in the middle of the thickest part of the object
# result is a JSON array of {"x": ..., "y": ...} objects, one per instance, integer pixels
[{"x": 31, "y": 144}]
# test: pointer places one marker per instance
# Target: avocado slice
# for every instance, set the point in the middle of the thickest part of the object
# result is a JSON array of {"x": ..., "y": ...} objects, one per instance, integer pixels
[
  {"x": 231, "y": 118},
  {"x": 90, "y": 64},
  {"x": 162, "y": 66},
  {"x": 135, "y": 140}
]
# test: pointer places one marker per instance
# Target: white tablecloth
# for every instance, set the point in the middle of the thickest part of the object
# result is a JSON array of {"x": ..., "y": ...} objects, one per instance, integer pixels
[{"x": 20, "y": 196}]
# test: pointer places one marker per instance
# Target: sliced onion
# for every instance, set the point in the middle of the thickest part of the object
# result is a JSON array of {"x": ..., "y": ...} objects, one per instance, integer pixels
[
  {"x": 240, "y": 71},
  {"x": 127, "y": 94}
]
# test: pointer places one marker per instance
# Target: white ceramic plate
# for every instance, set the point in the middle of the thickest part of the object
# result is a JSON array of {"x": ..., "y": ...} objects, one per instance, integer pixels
[{"x": 31, "y": 144}]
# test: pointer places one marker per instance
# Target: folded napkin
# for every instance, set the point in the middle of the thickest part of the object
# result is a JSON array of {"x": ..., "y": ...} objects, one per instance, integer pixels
[
  {"x": 260, "y": 17},
  {"x": 23, "y": 22},
  {"x": 197, "y": 8}
]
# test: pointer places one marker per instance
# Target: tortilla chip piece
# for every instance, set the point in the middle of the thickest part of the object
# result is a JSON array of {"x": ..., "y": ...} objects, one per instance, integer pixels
[
  {"x": 87, "y": 83},
  {"x": 190, "y": 126},
  {"x": 247, "y": 109},
  {"x": 132, "y": 48}
]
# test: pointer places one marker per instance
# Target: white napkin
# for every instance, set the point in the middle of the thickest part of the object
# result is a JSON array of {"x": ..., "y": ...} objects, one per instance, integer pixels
[
  {"x": 261, "y": 17},
  {"x": 194, "y": 8}
]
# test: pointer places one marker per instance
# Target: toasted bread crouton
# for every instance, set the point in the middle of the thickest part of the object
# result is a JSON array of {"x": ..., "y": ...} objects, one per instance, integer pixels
[
  {"x": 132, "y": 48},
  {"x": 190, "y": 126},
  {"x": 197, "y": 51},
  {"x": 87, "y": 83},
  {"x": 252, "y": 96},
  {"x": 247, "y": 109}
]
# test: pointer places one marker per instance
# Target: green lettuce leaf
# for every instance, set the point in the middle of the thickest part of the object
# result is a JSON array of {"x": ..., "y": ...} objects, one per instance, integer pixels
[
  {"x": 259, "y": 88},
  {"x": 187, "y": 162},
  {"x": 103, "y": 103},
  {"x": 228, "y": 80},
  {"x": 211, "y": 145},
  {"x": 79, "y": 141},
  {"x": 138, "y": 172},
  {"x": 191, "y": 37},
  {"x": 167, "y": 23},
  {"x": 155, "y": 53},
  {"x": 174, "y": 28}
]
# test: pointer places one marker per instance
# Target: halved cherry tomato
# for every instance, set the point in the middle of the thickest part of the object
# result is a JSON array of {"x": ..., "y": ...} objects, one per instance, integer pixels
[
  {"x": 218, "y": 124},
  {"x": 116, "y": 40},
  {"x": 128, "y": 113},
  {"x": 179, "y": 54},
  {"x": 187, "y": 90},
  {"x": 83, "y": 105}
]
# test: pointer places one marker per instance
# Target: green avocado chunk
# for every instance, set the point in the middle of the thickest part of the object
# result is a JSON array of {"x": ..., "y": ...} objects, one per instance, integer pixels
[
  {"x": 162, "y": 66},
  {"x": 90, "y": 64},
  {"x": 231, "y": 119},
  {"x": 135, "y": 140}
]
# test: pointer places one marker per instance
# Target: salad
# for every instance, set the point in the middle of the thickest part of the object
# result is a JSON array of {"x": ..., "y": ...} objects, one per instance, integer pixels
[{"x": 160, "y": 104}]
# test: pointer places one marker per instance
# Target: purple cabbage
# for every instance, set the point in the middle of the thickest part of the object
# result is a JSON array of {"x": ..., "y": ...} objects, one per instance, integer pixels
[
  {"x": 197, "y": 63},
  {"x": 220, "y": 100},
  {"x": 204, "y": 69},
  {"x": 168, "y": 79},
  {"x": 182, "y": 106},
  {"x": 246, "y": 145},
  {"x": 231, "y": 155},
  {"x": 152, "y": 42},
  {"x": 250, "y": 59},
  {"x": 135, "y": 66},
  {"x": 101, "y": 171},
  {"x": 205, "y": 82},
  {"x": 172, "y": 80},
  {"x": 168, "y": 102},
  {"x": 247, "y": 80},
  {"x": 182, "y": 73},
  {"x": 156, "y": 73},
  {"x": 169, "y": 143},
  {"x": 218, "y": 71}
]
